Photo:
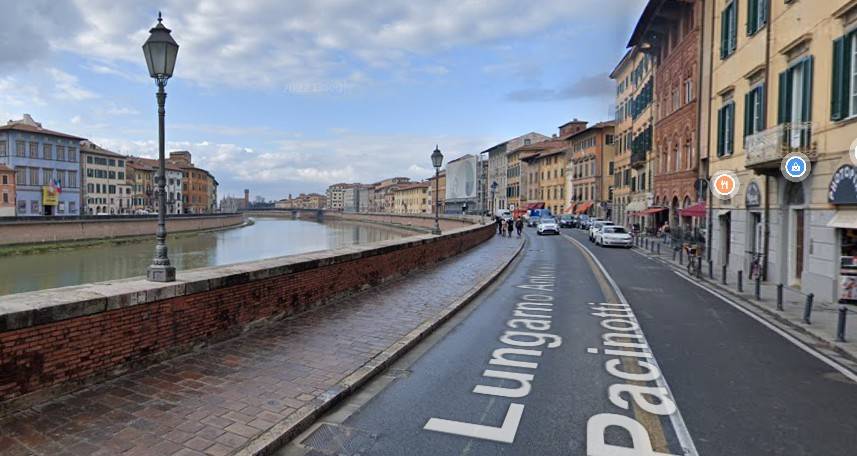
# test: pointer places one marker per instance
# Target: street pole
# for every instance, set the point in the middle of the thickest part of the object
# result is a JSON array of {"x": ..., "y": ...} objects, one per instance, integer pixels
[
  {"x": 161, "y": 270},
  {"x": 436, "y": 230}
]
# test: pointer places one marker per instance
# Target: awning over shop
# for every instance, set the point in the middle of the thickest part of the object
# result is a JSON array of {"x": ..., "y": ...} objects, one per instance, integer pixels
[
  {"x": 536, "y": 205},
  {"x": 652, "y": 211},
  {"x": 696, "y": 210},
  {"x": 723, "y": 212},
  {"x": 844, "y": 219},
  {"x": 570, "y": 209},
  {"x": 583, "y": 207}
]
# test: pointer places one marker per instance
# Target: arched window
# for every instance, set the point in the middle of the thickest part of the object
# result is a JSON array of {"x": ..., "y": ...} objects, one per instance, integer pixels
[{"x": 676, "y": 157}]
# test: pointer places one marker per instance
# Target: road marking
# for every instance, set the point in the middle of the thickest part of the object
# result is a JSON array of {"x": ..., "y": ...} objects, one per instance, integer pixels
[
  {"x": 676, "y": 419},
  {"x": 820, "y": 356}
]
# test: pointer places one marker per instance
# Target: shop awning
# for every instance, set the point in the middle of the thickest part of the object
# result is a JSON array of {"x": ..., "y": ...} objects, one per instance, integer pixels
[
  {"x": 723, "y": 212},
  {"x": 844, "y": 219},
  {"x": 583, "y": 207},
  {"x": 570, "y": 209},
  {"x": 652, "y": 211},
  {"x": 536, "y": 205},
  {"x": 696, "y": 210}
]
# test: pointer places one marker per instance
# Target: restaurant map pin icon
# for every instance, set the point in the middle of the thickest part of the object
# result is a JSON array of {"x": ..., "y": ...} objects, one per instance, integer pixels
[{"x": 724, "y": 184}]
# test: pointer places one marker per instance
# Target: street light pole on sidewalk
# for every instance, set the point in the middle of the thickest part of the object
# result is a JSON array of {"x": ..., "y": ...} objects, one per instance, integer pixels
[
  {"x": 161, "y": 51},
  {"x": 437, "y": 162}
]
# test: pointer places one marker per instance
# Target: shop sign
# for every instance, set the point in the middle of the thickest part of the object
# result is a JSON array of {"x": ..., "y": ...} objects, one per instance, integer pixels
[
  {"x": 754, "y": 195},
  {"x": 843, "y": 186},
  {"x": 49, "y": 196}
]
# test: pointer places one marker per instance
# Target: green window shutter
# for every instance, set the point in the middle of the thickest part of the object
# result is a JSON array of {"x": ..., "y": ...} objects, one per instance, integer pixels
[
  {"x": 784, "y": 101},
  {"x": 748, "y": 113},
  {"x": 752, "y": 6},
  {"x": 724, "y": 34},
  {"x": 806, "y": 91},
  {"x": 837, "y": 87},
  {"x": 762, "y": 94},
  {"x": 733, "y": 32},
  {"x": 763, "y": 18},
  {"x": 730, "y": 138},
  {"x": 720, "y": 132}
]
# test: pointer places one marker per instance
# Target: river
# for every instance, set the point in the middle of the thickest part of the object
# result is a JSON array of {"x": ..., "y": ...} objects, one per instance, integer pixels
[{"x": 267, "y": 238}]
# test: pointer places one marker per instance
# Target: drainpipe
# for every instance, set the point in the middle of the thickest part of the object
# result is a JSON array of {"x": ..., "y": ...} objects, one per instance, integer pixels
[{"x": 766, "y": 236}]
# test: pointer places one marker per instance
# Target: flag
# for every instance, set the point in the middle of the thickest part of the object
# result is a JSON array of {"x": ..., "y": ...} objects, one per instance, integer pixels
[{"x": 55, "y": 185}]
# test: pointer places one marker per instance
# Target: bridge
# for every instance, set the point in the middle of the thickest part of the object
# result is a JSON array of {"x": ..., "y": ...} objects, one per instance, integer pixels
[{"x": 293, "y": 212}]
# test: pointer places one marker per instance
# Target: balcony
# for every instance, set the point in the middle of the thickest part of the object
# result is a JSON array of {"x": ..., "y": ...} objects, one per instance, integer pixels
[
  {"x": 638, "y": 158},
  {"x": 764, "y": 151}
]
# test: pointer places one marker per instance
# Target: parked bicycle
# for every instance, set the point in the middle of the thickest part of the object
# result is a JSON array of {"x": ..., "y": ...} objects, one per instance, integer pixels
[{"x": 694, "y": 265}]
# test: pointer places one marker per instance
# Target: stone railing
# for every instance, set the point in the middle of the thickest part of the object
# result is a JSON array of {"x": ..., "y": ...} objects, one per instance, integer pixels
[
  {"x": 768, "y": 147},
  {"x": 55, "y": 341}
]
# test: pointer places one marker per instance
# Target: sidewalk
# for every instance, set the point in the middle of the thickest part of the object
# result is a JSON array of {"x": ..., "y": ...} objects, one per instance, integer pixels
[
  {"x": 239, "y": 396},
  {"x": 820, "y": 333}
]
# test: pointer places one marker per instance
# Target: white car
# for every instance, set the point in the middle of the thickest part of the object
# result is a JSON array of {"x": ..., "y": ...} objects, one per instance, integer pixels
[
  {"x": 547, "y": 225},
  {"x": 597, "y": 225},
  {"x": 613, "y": 235}
]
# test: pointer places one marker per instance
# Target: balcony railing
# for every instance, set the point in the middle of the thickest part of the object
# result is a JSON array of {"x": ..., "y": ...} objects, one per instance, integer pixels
[
  {"x": 638, "y": 158},
  {"x": 766, "y": 149}
]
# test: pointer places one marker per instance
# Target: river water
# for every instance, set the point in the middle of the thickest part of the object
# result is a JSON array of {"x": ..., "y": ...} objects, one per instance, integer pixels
[{"x": 267, "y": 238}]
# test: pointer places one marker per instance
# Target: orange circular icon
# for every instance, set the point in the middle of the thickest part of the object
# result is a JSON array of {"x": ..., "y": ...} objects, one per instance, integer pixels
[{"x": 724, "y": 184}]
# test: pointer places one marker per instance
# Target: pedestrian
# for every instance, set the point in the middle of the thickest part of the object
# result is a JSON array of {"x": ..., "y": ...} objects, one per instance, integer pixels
[
  {"x": 510, "y": 226},
  {"x": 519, "y": 226},
  {"x": 499, "y": 222}
]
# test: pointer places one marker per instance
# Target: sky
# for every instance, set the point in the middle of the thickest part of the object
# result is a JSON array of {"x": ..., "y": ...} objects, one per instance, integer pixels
[{"x": 283, "y": 97}]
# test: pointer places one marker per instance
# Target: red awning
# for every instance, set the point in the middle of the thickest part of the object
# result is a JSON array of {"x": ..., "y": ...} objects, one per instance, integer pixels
[
  {"x": 652, "y": 211},
  {"x": 537, "y": 205},
  {"x": 582, "y": 208},
  {"x": 696, "y": 210},
  {"x": 570, "y": 209}
]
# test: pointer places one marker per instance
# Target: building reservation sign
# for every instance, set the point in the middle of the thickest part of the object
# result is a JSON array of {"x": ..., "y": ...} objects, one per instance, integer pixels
[
  {"x": 843, "y": 186},
  {"x": 49, "y": 196},
  {"x": 753, "y": 198}
]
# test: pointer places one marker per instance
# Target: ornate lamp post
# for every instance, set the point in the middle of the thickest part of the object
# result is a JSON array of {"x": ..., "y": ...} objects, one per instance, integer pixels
[
  {"x": 493, "y": 189},
  {"x": 160, "y": 51},
  {"x": 437, "y": 162}
]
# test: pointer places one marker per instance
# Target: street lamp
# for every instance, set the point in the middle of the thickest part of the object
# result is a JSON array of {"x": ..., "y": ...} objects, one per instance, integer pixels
[
  {"x": 160, "y": 51},
  {"x": 437, "y": 162},
  {"x": 493, "y": 189}
]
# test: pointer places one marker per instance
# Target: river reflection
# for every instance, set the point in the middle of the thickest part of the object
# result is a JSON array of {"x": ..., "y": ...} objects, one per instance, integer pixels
[{"x": 267, "y": 238}]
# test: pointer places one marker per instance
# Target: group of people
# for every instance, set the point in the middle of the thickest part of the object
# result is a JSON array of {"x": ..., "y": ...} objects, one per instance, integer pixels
[{"x": 507, "y": 227}]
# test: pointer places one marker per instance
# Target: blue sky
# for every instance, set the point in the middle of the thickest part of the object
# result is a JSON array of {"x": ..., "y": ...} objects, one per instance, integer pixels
[{"x": 288, "y": 97}]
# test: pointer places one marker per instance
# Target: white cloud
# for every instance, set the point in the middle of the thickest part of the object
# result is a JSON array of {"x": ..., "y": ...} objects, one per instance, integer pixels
[{"x": 67, "y": 87}]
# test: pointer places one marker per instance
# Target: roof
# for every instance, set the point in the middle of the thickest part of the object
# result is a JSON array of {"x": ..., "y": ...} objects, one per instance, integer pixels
[
  {"x": 412, "y": 186},
  {"x": 28, "y": 125},
  {"x": 88, "y": 147},
  {"x": 625, "y": 59},
  {"x": 4, "y": 168},
  {"x": 463, "y": 157},
  {"x": 649, "y": 14},
  {"x": 152, "y": 163},
  {"x": 598, "y": 126}
]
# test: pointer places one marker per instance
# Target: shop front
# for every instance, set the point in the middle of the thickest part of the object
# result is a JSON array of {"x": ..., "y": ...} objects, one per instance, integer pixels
[{"x": 842, "y": 194}]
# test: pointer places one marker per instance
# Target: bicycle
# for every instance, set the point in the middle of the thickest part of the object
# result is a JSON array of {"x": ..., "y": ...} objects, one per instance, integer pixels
[
  {"x": 694, "y": 266},
  {"x": 756, "y": 266}
]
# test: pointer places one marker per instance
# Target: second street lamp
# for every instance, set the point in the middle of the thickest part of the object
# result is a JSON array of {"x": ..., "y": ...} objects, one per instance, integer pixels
[
  {"x": 161, "y": 51},
  {"x": 437, "y": 162}
]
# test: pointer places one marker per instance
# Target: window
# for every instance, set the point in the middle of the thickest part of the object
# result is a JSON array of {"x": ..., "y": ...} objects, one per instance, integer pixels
[
  {"x": 34, "y": 207},
  {"x": 726, "y": 129},
  {"x": 844, "y": 85},
  {"x": 5, "y": 196},
  {"x": 89, "y": 159},
  {"x": 61, "y": 153},
  {"x": 72, "y": 207},
  {"x": 71, "y": 181},
  {"x": 795, "y": 100},
  {"x": 2, "y": 148},
  {"x": 19, "y": 148},
  {"x": 47, "y": 176},
  {"x": 688, "y": 91},
  {"x": 47, "y": 151},
  {"x": 5, "y": 179},
  {"x": 72, "y": 154},
  {"x": 754, "y": 110},
  {"x": 729, "y": 30},
  {"x": 34, "y": 176},
  {"x": 22, "y": 206},
  {"x": 757, "y": 15},
  {"x": 34, "y": 150}
]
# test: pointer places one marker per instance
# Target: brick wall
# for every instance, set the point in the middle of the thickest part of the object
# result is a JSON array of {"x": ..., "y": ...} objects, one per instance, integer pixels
[{"x": 110, "y": 328}]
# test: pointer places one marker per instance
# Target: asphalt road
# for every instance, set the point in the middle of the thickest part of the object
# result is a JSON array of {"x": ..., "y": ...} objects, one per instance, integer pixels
[{"x": 698, "y": 377}]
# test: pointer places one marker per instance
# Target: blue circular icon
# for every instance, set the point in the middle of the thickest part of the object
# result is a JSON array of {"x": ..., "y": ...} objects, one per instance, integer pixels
[{"x": 796, "y": 167}]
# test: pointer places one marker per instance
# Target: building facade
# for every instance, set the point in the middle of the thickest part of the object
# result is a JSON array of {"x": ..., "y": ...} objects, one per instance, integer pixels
[
  {"x": 382, "y": 199},
  {"x": 624, "y": 133},
  {"x": 591, "y": 170},
  {"x": 105, "y": 186},
  {"x": 437, "y": 192},
  {"x": 412, "y": 198},
  {"x": 335, "y": 195},
  {"x": 7, "y": 191},
  {"x": 46, "y": 165},
  {"x": 640, "y": 206},
  {"x": 199, "y": 187}
]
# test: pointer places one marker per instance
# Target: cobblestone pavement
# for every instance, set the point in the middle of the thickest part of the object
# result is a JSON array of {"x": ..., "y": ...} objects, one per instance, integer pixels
[{"x": 216, "y": 400}]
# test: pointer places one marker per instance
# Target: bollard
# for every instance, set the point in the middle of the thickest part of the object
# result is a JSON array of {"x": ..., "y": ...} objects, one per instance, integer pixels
[
  {"x": 699, "y": 267},
  {"x": 723, "y": 275},
  {"x": 680, "y": 257},
  {"x": 673, "y": 254},
  {"x": 710, "y": 268},
  {"x": 740, "y": 281},
  {"x": 840, "y": 324},
  {"x": 807, "y": 309},
  {"x": 758, "y": 287},
  {"x": 658, "y": 249},
  {"x": 779, "y": 296}
]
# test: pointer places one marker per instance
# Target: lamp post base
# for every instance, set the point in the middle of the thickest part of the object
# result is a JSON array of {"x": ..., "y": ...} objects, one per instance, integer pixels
[
  {"x": 436, "y": 231},
  {"x": 159, "y": 273}
]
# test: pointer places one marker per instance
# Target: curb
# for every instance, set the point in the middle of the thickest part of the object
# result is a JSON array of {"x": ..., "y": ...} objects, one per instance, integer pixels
[
  {"x": 762, "y": 312},
  {"x": 284, "y": 431}
]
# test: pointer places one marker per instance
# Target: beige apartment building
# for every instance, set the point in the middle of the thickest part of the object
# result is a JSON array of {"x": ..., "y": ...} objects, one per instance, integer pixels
[
  {"x": 782, "y": 81},
  {"x": 105, "y": 188},
  {"x": 624, "y": 133},
  {"x": 437, "y": 198},
  {"x": 411, "y": 199},
  {"x": 638, "y": 201}
]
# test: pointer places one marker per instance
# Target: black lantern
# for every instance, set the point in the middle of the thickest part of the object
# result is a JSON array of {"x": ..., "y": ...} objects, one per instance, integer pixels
[
  {"x": 160, "y": 51},
  {"x": 436, "y": 158}
]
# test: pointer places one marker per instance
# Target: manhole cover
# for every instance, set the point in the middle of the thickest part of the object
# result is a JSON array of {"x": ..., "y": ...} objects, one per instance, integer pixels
[{"x": 333, "y": 439}]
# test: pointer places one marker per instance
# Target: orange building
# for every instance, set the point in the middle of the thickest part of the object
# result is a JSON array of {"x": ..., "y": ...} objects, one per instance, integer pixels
[{"x": 199, "y": 188}]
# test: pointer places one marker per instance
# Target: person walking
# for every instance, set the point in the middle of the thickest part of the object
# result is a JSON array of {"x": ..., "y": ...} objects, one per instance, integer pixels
[
  {"x": 519, "y": 226},
  {"x": 510, "y": 226},
  {"x": 499, "y": 222}
]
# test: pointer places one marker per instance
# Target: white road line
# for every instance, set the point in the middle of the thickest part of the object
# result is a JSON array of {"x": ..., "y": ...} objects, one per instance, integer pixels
[
  {"x": 821, "y": 357},
  {"x": 682, "y": 433}
]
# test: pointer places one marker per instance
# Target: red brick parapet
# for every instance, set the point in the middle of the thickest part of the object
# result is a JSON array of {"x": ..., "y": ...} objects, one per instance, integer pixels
[{"x": 57, "y": 340}]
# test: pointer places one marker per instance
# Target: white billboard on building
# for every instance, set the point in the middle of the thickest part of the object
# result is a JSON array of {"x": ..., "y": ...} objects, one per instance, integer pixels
[{"x": 461, "y": 178}]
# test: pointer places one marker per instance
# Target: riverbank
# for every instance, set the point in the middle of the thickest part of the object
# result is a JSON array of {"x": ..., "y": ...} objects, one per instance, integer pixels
[{"x": 34, "y": 232}]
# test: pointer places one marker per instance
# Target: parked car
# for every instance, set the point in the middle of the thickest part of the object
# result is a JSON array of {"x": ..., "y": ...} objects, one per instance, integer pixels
[
  {"x": 547, "y": 225},
  {"x": 585, "y": 222},
  {"x": 597, "y": 225},
  {"x": 566, "y": 221},
  {"x": 613, "y": 235}
]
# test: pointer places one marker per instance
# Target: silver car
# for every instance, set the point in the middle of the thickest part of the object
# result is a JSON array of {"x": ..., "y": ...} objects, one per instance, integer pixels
[
  {"x": 613, "y": 235},
  {"x": 547, "y": 225},
  {"x": 597, "y": 225}
]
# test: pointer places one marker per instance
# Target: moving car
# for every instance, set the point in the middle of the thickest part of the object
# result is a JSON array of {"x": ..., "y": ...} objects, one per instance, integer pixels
[
  {"x": 597, "y": 225},
  {"x": 613, "y": 235},
  {"x": 547, "y": 225},
  {"x": 583, "y": 221},
  {"x": 504, "y": 214},
  {"x": 533, "y": 221},
  {"x": 566, "y": 221}
]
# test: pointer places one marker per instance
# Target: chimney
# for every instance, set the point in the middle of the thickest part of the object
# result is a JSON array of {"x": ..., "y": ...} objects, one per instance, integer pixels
[{"x": 246, "y": 196}]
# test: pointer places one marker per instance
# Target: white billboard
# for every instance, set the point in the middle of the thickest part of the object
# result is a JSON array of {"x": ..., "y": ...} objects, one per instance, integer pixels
[{"x": 461, "y": 178}]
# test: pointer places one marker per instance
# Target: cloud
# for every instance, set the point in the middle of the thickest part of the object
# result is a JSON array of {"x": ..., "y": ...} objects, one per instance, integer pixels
[
  {"x": 594, "y": 86},
  {"x": 29, "y": 30},
  {"x": 67, "y": 87}
]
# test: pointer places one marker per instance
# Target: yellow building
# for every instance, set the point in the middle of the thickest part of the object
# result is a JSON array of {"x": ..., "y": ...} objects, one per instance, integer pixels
[
  {"x": 624, "y": 132},
  {"x": 639, "y": 94},
  {"x": 781, "y": 83},
  {"x": 411, "y": 199},
  {"x": 545, "y": 174}
]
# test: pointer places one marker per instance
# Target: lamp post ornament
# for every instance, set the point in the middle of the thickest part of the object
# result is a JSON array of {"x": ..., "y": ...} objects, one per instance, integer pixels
[
  {"x": 437, "y": 162},
  {"x": 160, "y": 51}
]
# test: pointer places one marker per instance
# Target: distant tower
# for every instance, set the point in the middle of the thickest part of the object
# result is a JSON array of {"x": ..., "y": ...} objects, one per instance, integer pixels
[{"x": 246, "y": 197}]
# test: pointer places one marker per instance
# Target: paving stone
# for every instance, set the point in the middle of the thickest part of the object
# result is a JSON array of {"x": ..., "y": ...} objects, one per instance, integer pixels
[{"x": 225, "y": 394}]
